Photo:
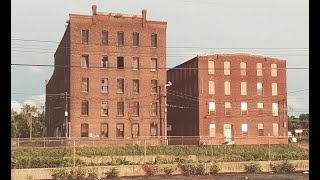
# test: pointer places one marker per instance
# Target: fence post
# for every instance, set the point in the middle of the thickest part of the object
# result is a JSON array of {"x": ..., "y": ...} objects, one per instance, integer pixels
[
  {"x": 44, "y": 142},
  {"x": 182, "y": 140},
  {"x": 145, "y": 151},
  {"x": 74, "y": 153},
  {"x": 18, "y": 142}
]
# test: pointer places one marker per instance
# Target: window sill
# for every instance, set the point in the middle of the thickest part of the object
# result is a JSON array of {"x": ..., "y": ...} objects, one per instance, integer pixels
[
  {"x": 85, "y": 91},
  {"x": 135, "y": 46},
  {"x": 153, "y": 115},
  {"x": 135, "y": 69},
  {"x": 120, "y": 45},
  {"x": 104, "y": 92},
  {"x": 104, "y": 115},
  {"x": 135, "y": 93},
  {"x": 135, "y": 115},
  {"x": 153, "y": 70},
  {"x": 103, "y": 68},
  {"x": 153, "y": 47},
  {"x": 154, "y": 93},
  {"x": 84, "y": 115},
  {"x": 120, "y": 137},
  {"x": 119, "y": 115},
  {"x": 84, "y": 67},
  {"x": 120, "y": 69},
  {"x": 119, "y": 92}
]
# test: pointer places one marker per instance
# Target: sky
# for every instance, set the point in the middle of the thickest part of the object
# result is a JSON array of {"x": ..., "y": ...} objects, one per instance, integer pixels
[{"x": 279, "y": 28}]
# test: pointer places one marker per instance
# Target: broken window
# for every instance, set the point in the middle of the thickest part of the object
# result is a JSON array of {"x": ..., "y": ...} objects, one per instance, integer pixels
[
  {"x": 211, "y": 87},
  {"x": 153, "y": 64},
  {"x": 85, "y": 84},
  {"x": 274, "y": 89},
  {"x": 120, "y": 85},
  {"x": 104, "y": 108},
  {"x": 120, "y": 108},
  {"x": 104, "y": 130},
  {"x": 226, "y": 68},
  {"x": 154, "y": 109},
  {"x": 135, "y": 39},
  {"x": 153, "y": 129},
  {"x": 154, "y": 86},
  {"x": 227, "y": 88},
  {"x": 135, "y": 130},
  {"x": 84, "y": 108},
  {"x": 120, "y": 62},
  {"x": 120, "y": 130},
  {"x": 244, "y": 108},
  {"x": 120, "y": 38},
  {"x": 260, "y": 108},
  {"x": 153, "y": 40},
  {"x": 259, "y": 69},
  {"x": 135, "y": 63},
  {"x": 104, "y": 85},
  {"x": 84, "y": 130},
  {"x": 104, "y": 62},
  {"x": 260, "y": 129},
  {"x": 135, "y": 108},
  {"x": 135, "y": 86},
  {"x": 85, "y": 61},
  {"x": 274, "y": 109},
  {"x": 85, "y": 36},
  {"x": 244, "y": 128},
  {"x": 210, "y": 67},
  {"x": 274, "y": 70},
  {"x": 212, "y": 108},
  {"x": 259, "y": 89},
  {"x": 243, "y": 69},
  {"x": 212, "y": 130},
  {"x": 104, "y": 37},
  {"x": 227, "y": 107},
  {"x": 243, "y": 88}
]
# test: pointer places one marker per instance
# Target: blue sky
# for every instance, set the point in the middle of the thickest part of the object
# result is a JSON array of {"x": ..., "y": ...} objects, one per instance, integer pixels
[{"x": 224, "y": 24}]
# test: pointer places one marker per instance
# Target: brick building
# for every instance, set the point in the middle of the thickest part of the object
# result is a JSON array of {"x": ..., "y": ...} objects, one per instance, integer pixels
[
  {"x": 229, "y": 98},
  {"x": 108, "y": 69}
]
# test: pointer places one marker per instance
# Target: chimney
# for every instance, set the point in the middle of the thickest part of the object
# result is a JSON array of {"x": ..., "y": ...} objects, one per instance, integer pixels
[
  {"x": 94, "y": 9},
  {"x": 144, "y": 17}
]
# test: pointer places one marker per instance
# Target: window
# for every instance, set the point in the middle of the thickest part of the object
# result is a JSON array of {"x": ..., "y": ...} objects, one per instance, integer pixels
[
  {"x": 135, "y": 63},
  {"x": 84, "y": 108},
  {"x": 135, "y": 86},
  {"x": 227, "y": 88},
  {"x": 244, "y": 128},
  {"x": 154, "y": 109},
  {"x": 120, "y": 85},
  {"x": 243, "y": 88},
  {"x": 260, "y": 129},
  {"x": 104, "y": 62},
  {"x": 120, "y": 62},
  {"x": 120, "y": 131},
  {"x": 154, "y": 86},
  {"x": 153, "y": 129},
  {"x": 104, "y": 37},
  {"x": 135, "y": 108},
  {"x": 244, "y": 108},
  {"x": 274, "y": 89},
  {"x": 85, "y": 61},
  {"x": 153, "y": 40},
  {"x": 211, "y": 87},
  {"x": 274, "y": 109},
  {"x": 226, "y": 67},
  {"x": 212, "y": 108},
  {"x": 85, "y": 130},
  {"x": 259, "y": 69},
  {"x": 120, "y": 108},
  {"x": 85, "y": 36},
  {"x": 274, "y": 70},
  {"x": 135, "y": 39},
  {"x": 135, "y": 130},
  {"x": 259, "y": 89},
  {"x": 153, "y": 64},
  {"x": 85, "y": 84},
  {"x": 104, "y": 130},
  {"x": 227, "y": 108},
  {"x": 212, "y": 130},
  {"x": 104, "y": 108},
  {"x": 275, "y": 129},
  {"x": 210, "y": 67},
  {"x": 260, "y": 108},
  {"x": 120, "y": 39},
  {"x": 243, "y": 69},
  {"x": 104, "y": 85}
]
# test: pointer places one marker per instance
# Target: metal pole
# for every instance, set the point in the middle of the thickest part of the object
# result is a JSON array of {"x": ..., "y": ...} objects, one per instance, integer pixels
[
  {"x": 30, "y": 126},
  {"x": 74, "y": 153},
  {"x": 160, "y": 114},
  {"x": 145, "y": 151},
  {"x": 269, "y": 146}
]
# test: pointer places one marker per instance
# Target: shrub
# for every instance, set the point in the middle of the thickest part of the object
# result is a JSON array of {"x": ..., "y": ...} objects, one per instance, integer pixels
[
  {"x": 168, "y": 170},
  {"x": 188, "y": 169},
  {"x": 92, "y": 174},
  {"x": 252, "y": 168},
  {"x": 283, "y": 167},
  {"x": 214, "y": 168},
  {"x": 59, "y": 174},
  {"x": 150, "y": 170},
  {"x": 77, "y": 173},
  {"x": 112, "y": 173},
  {"x": 200, "y": 170}
]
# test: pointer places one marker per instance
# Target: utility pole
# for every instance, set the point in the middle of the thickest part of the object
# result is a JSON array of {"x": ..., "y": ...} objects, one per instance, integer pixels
[
  {"x": 160, "y": 113},
  {"x": 43, "y": 126}
]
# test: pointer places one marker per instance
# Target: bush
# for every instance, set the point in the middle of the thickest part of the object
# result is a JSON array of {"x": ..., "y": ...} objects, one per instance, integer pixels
[
  {"x": 112, "y": 173},
  {"x": 214, "y": 168},
  {"x": 188, "y": 169},
  {"x": 92, "y": 174},
  {"x": 59, "y": 174},
  {"x": 200, "y": 170},
  {"x": 283, "y": 167},
  {"x": 168, "y": 170},
  {"x": 252, "y": 168},
  {"x": 150, "y": 170},
  {"x": 77, "y": 173}
]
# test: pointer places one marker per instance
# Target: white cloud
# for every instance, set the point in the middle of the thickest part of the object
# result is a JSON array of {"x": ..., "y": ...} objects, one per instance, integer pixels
[
  {"x": 37, "y": 101},
  {"x": 36, "y": 70},
  {"x": 16, "y": 106}
]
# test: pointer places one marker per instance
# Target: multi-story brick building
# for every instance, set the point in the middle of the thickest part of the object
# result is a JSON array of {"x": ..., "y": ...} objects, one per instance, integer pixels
[
  {"x": 229, "y": 98},
  {"x": 108, "y": 69}
]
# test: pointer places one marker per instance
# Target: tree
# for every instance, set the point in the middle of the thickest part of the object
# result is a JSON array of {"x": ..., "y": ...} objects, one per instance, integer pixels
[{"x": 304, "y": 117}]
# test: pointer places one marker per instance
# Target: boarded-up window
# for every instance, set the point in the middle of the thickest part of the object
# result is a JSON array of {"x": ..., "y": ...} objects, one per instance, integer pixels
[
  {"x": 104, "y": 108},
  {"x": 153, "y": 129},
  {"x": 84, "y": 61},
  {"x": 153, "y": 40},
  {"x": 135, "y": 39},
  {"x": 212, "y": 108},
  {"x": 275, "y": 130},
  {"x": 135, "y": 108},
  {"x": 259, "y": 89},
  {"x": 85, "y": 36},
  {"x": 227, "y": 108},
  {"x": 244, "y": 128},
  {"x": 120, "y": 85},
  {"x": 274, "y": 109},
  {"x": 135, "y": 63},
  {"x": 154, "y": 109},
  {"x": 260, "y": 108},
  {"x": 84, "y": 108},
  {"x": 104, "y": 38},
  {"x": 85, "y": 84},
  {"x": 104, "y": 130},
  {"x": 120, "y": 62},
  {"x": 135, "y": 86},
  {"x": 154, "y": 65},
  {"x": 211, "y": 87},
  {"x": 120, "y": 108},
  {"x": 104, "y": 85},
  {"x": 226, "y": 68},
  {"x": 104, "y": 62},
  {"x": 244, "y": 108},
  {"x": 243, "y": 69},
  {"x": 120, "y": 38},
  {"x": 260, "y": 129},
  {"x": 243, "y": 88},
  {"x": 227, "y": 88},
  {"x": 120, "y": 131},
  {"x": 274, "y": 70},
  {"x": 84, "y": 130},
  {"x": 210, "y": 67},
  {"x": 259, "y": 69},
  {"x": 212, "y": 130},
  {"x": 154, "y": 86},
  {"x": 135, "y": 130},
  {"x": 274, "y": 89}
]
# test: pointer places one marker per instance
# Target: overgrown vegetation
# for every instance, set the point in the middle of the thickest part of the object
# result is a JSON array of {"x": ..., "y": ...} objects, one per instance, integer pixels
[
  {"x": 283, "y": 167},
  {"x": 168, "y": 170},
  {"x": 191, "y": 169},
  {"x": 214, "y": 168},
  {"x": 252, "y": 168},
  {"x": 150, "y": 170}
]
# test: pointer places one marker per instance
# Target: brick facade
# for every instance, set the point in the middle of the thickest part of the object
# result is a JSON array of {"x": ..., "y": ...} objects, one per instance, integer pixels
[
  {"x": 70, "y": 52},
  {"x": 188, "y": 100}
]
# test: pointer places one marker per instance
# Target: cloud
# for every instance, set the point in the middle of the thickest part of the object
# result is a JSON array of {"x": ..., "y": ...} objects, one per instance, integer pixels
[
  {"x": 37, "y": 101},
  {"x": 16, "y": 106},
  {"x": 36, "y": 70}
]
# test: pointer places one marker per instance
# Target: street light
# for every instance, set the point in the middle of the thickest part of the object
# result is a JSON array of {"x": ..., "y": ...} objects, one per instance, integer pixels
[{"x": 165, "y": 111}]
